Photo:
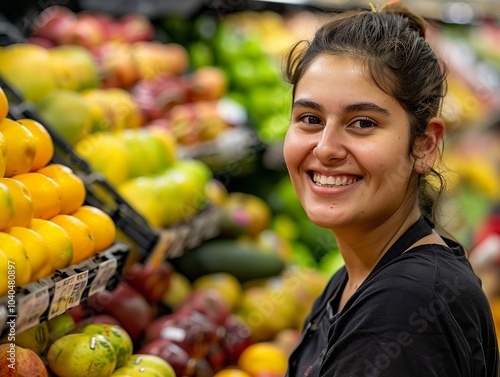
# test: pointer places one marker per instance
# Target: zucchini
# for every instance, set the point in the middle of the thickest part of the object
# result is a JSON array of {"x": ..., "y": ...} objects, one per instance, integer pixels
[{"x": 246, "y": 261}]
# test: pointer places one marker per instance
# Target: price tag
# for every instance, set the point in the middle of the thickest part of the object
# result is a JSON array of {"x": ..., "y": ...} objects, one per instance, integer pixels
[
  {"x": 67, "y": 291},
  {"x": 31, "y": 307},
  {"x": 104, "y": 273},
  {"x": 76, "y": 294}
]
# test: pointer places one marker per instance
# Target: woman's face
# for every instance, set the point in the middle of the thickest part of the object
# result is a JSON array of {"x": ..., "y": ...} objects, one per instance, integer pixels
[{"x": 347, "y": 147}]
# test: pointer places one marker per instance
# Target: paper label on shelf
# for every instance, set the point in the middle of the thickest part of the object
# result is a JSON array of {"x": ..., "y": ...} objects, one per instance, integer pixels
[
  {"x": 31, "y": 307},
  {"x": 68, "y": 293},
  {"x": 104, "y": 274}
]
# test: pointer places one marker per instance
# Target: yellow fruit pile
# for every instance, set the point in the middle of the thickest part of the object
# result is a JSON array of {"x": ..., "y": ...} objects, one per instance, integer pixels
[{"x": 44, "y": 224}]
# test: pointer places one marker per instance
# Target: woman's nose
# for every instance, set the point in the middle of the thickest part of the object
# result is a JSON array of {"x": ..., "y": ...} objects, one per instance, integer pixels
[{"x": 330, "y": 146}]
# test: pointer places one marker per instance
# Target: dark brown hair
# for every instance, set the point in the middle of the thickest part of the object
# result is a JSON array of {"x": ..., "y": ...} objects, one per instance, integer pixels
[{"x": 391, "y": 42}]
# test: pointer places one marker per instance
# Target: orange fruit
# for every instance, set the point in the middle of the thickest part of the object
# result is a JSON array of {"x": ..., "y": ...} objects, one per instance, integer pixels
[
  {"x": 4, "y": 105},
  {"x": 4, "y": 270},
  {"x": 3, "y": 145},
  {"x": 21, "y": 147},
  {"x": 73, "y": 191},
  {"x": 22, "y": 200},
  {"x": 58, "y": 241},
  {"x": 263, "y": 357},
  {"x": 231, "y": 372},
  {"x": 46, "y": 194},
  {"x": 7, "y": 211},
  {"x": 80, "y": 235},
  {"x": 44, "y": 143},
  {"x": 2, "y": 164},
  {"x": 101, "y": 226},
  {"x": 17, "y": 257},
  {"x": 37, "y": 250},
  {"x": 3, "y": 154}
]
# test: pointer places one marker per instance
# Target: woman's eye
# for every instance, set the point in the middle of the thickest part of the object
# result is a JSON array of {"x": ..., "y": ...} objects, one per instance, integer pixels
[
  {"x": 363, "y": 123},
  {"x": 310, "y": 119}
]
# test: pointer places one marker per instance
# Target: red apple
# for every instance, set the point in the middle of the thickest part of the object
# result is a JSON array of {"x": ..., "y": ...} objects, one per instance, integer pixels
[
  {"x": 86, "y": 31},
  {"x": 107, "y": 25},
  {"x": 17, "y": 361},
  {"x": 156, "y": 97},
  {"x": 237, "y": 338},
  {"x": 203, "y": 369},
  {"x": 43, "y": 42},
  {"x": 155, "y": 58},
  {"x": 53, "y": 23},
  {"x": 100, "y": 318},
  {"x": 117, "y": 68},
  {"x": 183, "y": 364},
  {"x": 207, "y": 83},
  {"x": 210, "y": 303},
  {"x": 151, "y": 281},
  {"x": 192, "y": 331},
  {"x": 216, "y": 357},
  {"x": 136, "y": 27},
  {"x": 185, "y": 124},
  {"x": 125, "y": 304},
  {"x": 154, "y": 329},
  {"x": 80, "y": 312}
]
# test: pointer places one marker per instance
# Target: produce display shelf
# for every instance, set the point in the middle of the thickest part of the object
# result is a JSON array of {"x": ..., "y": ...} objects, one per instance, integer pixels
[
  {"x": 228, "y": 151},
  {"x": 100, "y": 193},
  {"x": 27, "y": 305},
  {"x": 174, "y": 241},
  {"x": 152, "y": 243}
]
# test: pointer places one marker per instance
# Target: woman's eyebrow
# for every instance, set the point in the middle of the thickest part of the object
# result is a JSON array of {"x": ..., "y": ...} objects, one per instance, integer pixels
[
  {"x": 308, "y": 104},
  {"x": 365, "y": 106},
  {"x": 354, "y": 107}
]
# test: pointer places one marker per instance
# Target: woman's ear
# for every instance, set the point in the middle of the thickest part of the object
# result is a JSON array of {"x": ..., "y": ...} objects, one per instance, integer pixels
[{"x": 426, "y": 146}]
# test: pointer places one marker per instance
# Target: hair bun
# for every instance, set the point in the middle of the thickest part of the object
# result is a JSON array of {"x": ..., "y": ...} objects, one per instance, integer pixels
[{"x": 416, "y": 22}]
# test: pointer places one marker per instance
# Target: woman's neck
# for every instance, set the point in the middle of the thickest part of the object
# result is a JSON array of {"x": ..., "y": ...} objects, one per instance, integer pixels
[{"x": 361, "y": 250}]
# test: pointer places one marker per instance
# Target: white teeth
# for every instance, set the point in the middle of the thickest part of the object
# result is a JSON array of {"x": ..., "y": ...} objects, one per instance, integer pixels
[{"x": 322, "y": 180}]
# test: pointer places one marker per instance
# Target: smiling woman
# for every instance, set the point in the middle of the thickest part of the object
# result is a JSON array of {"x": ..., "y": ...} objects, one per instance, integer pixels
[{"x": 362, "y": 141}]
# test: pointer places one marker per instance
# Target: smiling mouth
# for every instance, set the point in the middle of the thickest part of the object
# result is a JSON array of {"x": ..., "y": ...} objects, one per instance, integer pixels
[{"x": 330, "y": 181}]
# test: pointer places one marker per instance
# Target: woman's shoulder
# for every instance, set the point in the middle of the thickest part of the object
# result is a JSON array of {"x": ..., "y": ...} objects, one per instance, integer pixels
[
  {"x": 433, "y": 264},
  {"x": 430, "y": 274}
]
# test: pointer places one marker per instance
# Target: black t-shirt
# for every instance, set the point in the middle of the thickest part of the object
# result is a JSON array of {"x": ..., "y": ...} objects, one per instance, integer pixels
[{"x": 419, "y": 313}]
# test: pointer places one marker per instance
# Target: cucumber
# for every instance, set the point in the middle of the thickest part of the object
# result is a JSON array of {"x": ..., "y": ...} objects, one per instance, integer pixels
[{"x": 243, "y": 260}]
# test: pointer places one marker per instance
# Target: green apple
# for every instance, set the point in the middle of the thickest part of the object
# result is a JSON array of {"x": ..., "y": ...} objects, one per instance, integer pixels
[
  {"x": 82, "y": 355},
  {"x": 60, "y": 325},
  {"x": 74, "y": 67},
  {"x": 68, "y": 113},
  {"x": 180, "y": 288},
  {"x": 131, "y": 371},
  {"x": 106, "y": 154},
  {"x": 27, "y": 68},
  {"x": 226, "y": 284},
  {"x": 35, "y": 338},
  {"x": 152, "y": 362},
  {"x": 117, "y": 336},
  {"x": 143, "y": 195}
]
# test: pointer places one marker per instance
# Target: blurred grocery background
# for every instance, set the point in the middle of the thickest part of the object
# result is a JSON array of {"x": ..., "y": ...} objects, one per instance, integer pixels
[{"x": 143, "y": 194}]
